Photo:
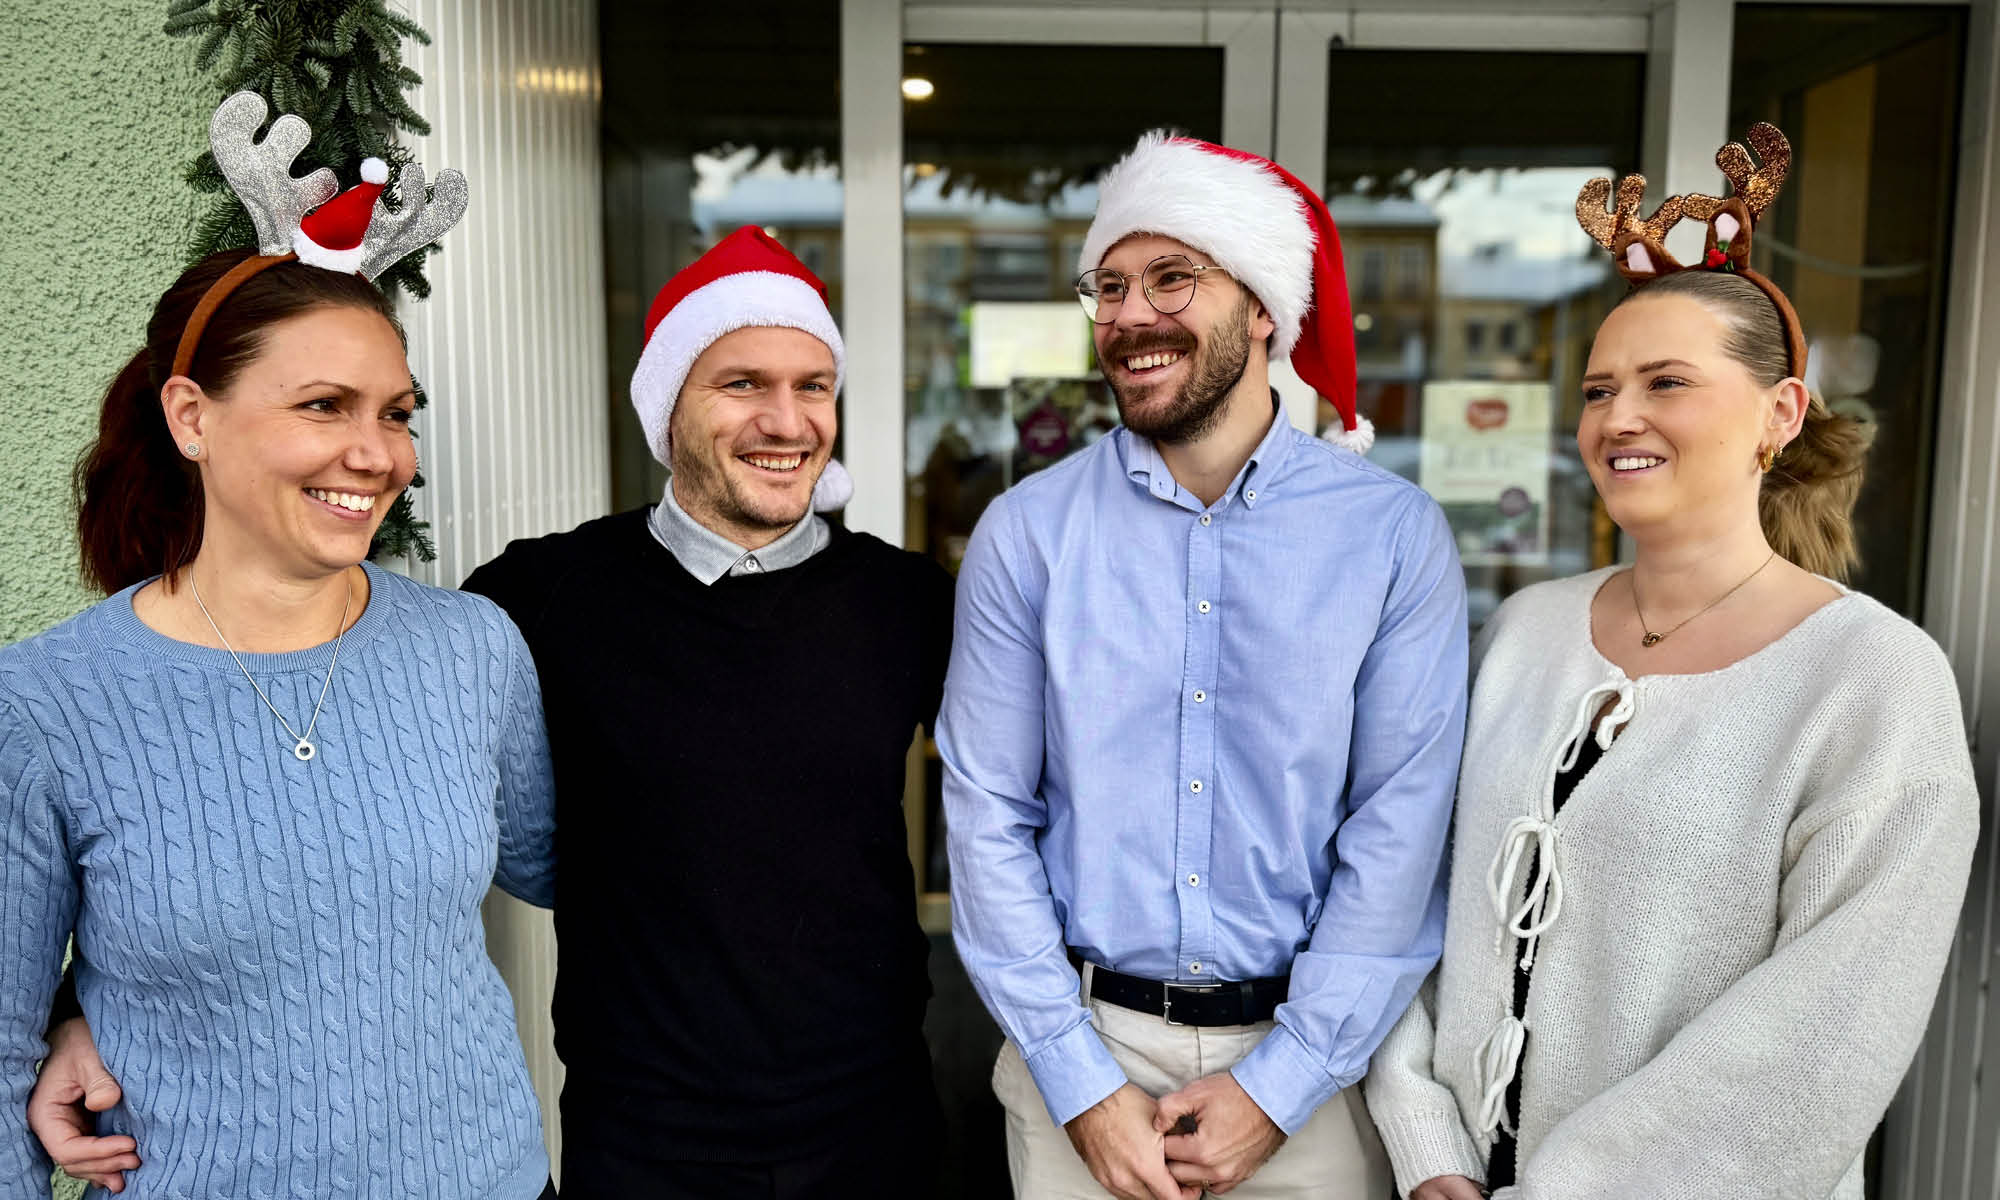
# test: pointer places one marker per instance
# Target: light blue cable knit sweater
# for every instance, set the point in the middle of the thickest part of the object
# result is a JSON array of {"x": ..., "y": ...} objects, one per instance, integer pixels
[{"x": 282, "y": 961}]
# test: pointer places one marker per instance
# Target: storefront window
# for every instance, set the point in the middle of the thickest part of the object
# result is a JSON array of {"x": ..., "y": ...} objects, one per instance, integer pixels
[
  {"x": 1000, "y": 165},
  {"x": 691, "y": 153},
  {"x": 1470, "y": 369},
  {"x": 1868, "y": 97}
]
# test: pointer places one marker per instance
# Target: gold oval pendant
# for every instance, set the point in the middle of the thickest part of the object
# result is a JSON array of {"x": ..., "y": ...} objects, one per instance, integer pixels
[{"x": 1652, "y": 639}]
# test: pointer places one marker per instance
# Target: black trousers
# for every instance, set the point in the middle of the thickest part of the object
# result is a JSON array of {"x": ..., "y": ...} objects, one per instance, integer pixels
[{"x": 892, "y": 1155}]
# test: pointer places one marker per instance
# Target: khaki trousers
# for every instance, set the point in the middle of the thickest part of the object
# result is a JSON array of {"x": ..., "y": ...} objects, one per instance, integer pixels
[{"x": 1336, "y": 1156}]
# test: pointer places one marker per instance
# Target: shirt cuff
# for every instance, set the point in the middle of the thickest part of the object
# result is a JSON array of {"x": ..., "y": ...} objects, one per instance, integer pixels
[
  {"x": 1286, "y": 1079},
  {"x": 1074, "y": 1072},
  {"x": 1425, "y": 1145}
]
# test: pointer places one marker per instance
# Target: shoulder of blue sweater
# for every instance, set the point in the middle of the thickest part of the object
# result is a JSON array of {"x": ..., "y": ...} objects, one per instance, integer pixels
[{"x": 71, "y": 637}]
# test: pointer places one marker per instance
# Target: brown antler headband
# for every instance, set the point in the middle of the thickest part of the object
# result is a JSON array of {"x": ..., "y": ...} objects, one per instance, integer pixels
[{"x": 1637, "y": 244}]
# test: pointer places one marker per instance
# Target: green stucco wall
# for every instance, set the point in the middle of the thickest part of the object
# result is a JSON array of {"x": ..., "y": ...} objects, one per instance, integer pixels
[{"x": 99, "y": 114}]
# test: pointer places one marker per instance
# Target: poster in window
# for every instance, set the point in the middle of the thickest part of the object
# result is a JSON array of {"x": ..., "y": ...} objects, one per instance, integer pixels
[{"x": 1485, "y": 460}]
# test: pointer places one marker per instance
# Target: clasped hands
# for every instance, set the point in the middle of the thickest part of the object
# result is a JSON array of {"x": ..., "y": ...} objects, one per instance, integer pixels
[{"x": 1128, "y": 1141}]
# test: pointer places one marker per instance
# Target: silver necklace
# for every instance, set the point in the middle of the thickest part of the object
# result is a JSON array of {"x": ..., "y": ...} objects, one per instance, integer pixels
[
  {"x": 1654, "y": 639},
  {"x": 303, "y": 748}
]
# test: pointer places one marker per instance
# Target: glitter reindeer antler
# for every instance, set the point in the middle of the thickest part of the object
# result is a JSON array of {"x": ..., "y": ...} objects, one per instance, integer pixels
[
  {"x": 260, "y": 173},
  {"x": 1609, "y": 226},
  {"x": 391, "y": 235}
]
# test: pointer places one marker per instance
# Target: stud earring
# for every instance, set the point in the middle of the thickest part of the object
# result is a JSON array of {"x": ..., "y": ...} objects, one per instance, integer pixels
[{"x": 193, "y": 449}]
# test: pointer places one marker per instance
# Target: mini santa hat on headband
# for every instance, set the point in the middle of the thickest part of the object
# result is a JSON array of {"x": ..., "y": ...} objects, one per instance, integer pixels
[
  {"x": 1272, "y": 234},
  {"x": 747, "y": 280},
  {"x": 331, "y": 235}
]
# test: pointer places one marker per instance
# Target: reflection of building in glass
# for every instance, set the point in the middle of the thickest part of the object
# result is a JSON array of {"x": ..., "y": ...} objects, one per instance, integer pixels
[
  {"x": 1501, "y": 316},
  {"x": 1390, "y": 248}
]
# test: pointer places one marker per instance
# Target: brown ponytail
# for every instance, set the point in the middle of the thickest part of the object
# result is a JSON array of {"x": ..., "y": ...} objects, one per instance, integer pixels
[
  {"x": 1807, "y": 502},
  {"x": 138, "y": 498}
]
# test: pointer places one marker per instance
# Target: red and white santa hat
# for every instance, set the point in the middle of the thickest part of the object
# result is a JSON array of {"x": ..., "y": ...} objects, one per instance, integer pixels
[
  {"x": 331, "y": 235},
  {"x": 1272, "y": 234},
  {"x": 746, "y": 280}
]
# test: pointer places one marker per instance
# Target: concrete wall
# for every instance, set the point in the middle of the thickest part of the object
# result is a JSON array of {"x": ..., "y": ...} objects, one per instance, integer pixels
[{"x": 99, "y": 114}]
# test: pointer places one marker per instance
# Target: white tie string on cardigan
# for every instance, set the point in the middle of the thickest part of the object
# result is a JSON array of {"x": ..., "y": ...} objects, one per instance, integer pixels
[{"x": 1534, "y": 833}]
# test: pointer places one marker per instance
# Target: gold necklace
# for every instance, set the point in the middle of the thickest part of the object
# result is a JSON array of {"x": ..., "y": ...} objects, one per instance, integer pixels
[{"x": 1654, "y": 639}]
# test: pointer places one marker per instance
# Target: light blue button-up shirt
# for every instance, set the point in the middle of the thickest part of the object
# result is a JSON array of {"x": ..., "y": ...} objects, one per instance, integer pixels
[{"x": 1205, "y": 743}]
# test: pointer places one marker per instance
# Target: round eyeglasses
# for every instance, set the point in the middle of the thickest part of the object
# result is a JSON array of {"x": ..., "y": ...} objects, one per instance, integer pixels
[{"x": 1168, "y": 282}]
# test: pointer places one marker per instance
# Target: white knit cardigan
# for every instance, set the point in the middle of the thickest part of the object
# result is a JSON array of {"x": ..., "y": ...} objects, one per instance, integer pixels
[{"x": 1751, "y": 899}]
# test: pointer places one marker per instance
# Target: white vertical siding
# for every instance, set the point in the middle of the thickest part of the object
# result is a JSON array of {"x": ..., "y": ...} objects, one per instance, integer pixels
[{"x": 511, "y": 344}]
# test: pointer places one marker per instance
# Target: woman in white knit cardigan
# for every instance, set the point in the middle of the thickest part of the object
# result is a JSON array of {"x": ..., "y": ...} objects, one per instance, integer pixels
[{"x": 1715, "y": 814}]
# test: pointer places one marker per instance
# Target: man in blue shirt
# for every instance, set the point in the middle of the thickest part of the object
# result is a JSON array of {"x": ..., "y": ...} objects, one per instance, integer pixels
[{"x": 1202, "y": 723}]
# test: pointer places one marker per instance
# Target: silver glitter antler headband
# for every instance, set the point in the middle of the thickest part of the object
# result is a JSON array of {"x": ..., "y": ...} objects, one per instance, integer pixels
[
  {"x": 311, "y": 219},
  {"x": 345, "y": 234}
]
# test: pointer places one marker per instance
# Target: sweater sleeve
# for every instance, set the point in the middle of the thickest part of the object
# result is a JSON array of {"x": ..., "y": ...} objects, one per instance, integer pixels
[
  {"x": 1773, "y": 1089},
  {"x": 39, "y": 896},
  {"x": 1416, "y": 1115},
  {"x": 525, "y": 803}
]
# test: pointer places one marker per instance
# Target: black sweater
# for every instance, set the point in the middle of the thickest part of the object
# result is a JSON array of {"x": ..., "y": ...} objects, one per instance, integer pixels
[{"x": 740, "y": 969}]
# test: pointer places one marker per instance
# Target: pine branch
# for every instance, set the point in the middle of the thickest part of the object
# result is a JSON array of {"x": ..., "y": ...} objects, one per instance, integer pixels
[{"x": 339, "y": 64}]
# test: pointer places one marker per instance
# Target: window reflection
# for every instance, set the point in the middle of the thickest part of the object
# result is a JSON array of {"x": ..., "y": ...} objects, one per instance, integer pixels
[
  {"x": 1868, "y": 96},
  {"x": 1475, "y": 293}
]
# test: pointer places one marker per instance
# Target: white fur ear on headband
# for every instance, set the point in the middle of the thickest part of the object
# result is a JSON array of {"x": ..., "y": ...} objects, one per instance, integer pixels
[{"x": 1639, "y": 260}]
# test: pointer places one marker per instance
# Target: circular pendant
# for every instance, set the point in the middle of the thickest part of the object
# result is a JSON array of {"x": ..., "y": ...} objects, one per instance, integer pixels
[
  {"x": 1652, "y": 639},
  {"x": 304, "y": 751}
]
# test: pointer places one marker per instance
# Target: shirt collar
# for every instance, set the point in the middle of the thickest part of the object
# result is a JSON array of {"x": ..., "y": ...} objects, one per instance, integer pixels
[
  {"x": 1145, "y": 467},
  {"x": 708, "y": 556}
]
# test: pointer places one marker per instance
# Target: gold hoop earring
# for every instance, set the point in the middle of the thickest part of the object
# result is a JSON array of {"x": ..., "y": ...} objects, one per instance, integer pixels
[{"x": 1767, "y": 458}]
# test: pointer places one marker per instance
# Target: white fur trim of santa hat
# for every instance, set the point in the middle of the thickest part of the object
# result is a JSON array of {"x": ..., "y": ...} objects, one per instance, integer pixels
[
  {"x": 1237, "y": 212},
  {"x": 739, "y": 301}
]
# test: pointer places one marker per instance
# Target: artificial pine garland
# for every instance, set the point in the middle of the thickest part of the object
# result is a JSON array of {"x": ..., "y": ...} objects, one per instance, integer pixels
[{"x": 339, "y": 65}]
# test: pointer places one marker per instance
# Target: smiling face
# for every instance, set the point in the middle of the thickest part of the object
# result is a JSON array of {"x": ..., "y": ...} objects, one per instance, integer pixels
[
  {"x": 752, "y": 430},
  {"x": 1173, "y": 372},
  {"x": 1672, "y": 424},
  {"x": 309, "y": 445}
]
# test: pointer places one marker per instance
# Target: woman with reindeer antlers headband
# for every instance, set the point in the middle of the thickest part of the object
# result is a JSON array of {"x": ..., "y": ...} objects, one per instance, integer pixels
[
  {"x": 265, "y": 783},
  {"x": 1716, "y": 809}
]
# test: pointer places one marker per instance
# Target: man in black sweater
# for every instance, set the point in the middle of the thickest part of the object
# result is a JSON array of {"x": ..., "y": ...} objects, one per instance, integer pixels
[{"x": 731, "y": 685}]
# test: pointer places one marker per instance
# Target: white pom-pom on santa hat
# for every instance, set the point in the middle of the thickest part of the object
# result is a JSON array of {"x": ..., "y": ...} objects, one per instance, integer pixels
[
  {"x": 374, "y": 170},
  {"x": 748, "y": 279},
  {"x": 1259, "y": 223}
]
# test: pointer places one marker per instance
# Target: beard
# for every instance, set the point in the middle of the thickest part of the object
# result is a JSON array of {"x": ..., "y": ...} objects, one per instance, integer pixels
[
  {"x": 707, "y": 492},
  {"x": 1215, "y": 366}
]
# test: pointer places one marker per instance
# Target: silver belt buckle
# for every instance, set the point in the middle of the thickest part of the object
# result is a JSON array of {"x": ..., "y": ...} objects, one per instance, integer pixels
[{"x": 1167, "y": 998}]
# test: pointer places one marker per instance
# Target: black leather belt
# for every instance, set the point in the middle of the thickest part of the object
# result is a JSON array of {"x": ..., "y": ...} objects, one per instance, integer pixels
[{"x": 1237, "y": 1002}]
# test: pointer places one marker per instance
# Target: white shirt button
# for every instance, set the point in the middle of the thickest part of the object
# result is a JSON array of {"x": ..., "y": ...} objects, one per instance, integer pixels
[
  {"x": 1202, "y": 607},
  {"x": 1194, "y": 880},
  {"x": 751, "y": 565},
  {"x": 1251, "y": 494},
  {"x": 1194, "y": 968},
  {"x": 1199, "y": 695},
  {"x": 1204, "y": 518},
  {"x": 1194, "y": 785}
]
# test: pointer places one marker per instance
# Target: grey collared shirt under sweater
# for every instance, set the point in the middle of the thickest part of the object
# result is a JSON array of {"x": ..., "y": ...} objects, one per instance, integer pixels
[{"x": 708, "y": 556}]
